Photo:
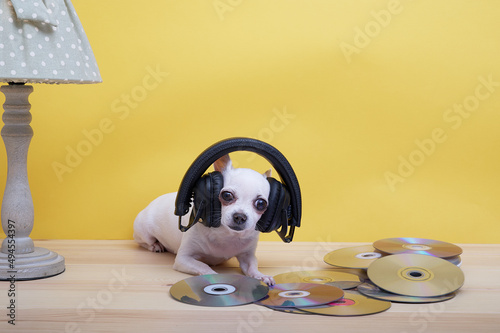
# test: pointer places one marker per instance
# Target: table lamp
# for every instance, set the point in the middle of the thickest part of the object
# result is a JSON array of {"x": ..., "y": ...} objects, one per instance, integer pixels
[{"x": 41, "y": 41}]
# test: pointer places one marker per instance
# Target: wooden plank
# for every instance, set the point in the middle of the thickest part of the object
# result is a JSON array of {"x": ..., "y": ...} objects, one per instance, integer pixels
[{"x": 116, "y": 286}]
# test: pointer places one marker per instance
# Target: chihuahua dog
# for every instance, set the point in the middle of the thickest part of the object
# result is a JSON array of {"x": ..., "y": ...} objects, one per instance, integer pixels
[{"x": 244, "y": 198}]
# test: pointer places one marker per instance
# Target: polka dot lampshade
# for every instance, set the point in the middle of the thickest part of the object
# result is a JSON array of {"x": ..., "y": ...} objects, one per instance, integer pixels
[{"x": 42, "y": 41}]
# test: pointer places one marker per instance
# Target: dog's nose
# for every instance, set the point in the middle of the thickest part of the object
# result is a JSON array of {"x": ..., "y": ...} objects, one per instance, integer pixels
[{"x": 239, "y": 218}]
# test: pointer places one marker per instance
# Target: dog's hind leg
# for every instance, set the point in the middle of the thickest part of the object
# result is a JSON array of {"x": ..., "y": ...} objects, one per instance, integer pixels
[{"x": 149, "y": 242}]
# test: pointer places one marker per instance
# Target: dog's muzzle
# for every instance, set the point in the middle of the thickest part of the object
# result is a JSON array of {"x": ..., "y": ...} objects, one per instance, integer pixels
[{"x": 239, "y": 218}]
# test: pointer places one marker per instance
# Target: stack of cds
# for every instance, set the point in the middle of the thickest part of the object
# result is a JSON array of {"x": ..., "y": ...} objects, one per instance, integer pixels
[
  {"x": 406, "y": 270},
  {"x": 366, "y": 280}
]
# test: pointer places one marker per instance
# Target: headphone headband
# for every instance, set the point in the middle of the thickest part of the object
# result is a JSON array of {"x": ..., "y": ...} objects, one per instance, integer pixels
[{"x": 221, "y": 148}]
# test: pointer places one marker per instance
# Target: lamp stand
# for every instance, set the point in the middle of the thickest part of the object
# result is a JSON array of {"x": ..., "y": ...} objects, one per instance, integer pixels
[{"x": 19, "y": 258}]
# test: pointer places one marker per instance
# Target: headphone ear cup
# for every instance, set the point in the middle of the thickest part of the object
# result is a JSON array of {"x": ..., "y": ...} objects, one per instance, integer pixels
[
  {"x": 276, "y": 212},
  {"x": 206, "y": 196}
]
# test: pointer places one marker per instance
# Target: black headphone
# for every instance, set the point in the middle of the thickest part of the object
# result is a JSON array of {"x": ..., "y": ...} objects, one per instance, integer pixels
[{"x": 284, "y": 209}]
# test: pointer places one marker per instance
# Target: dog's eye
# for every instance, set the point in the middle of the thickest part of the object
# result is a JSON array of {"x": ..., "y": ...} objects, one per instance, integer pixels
[
  {"x": 260, "y": 204},
  {"x": 226, "y": 196}
]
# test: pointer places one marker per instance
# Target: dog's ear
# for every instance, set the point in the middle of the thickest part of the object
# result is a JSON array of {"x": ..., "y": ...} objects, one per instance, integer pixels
[
  {"x": 222, "y": 164},
  {"x": 267, "y": 173}
]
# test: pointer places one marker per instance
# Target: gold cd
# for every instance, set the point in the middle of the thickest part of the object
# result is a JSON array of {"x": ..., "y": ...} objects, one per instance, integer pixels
[
  {"x": 418, "y": 246},
  {"x": 219, "y": 290},
  {"x": 371, "y": 290},
  {"x": 301, "y": 294},
  {"x": 352, "y": 304},
  {"x": 353, "y": 257},
  {"x": 416, "y": 275},
  {"x": 332, "y": 277}
]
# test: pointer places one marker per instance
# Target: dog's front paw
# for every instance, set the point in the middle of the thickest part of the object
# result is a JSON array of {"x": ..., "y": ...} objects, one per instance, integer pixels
[{"x": 269, "y": 280}]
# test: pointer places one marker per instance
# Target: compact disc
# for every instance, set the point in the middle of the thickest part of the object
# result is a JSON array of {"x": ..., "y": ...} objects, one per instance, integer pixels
[
  {"x": 301, "y": 294},
  {"x": 416, "y": 275},
  {"x": 219, "y": 290},
  {"x": 353, "y": 257},
  {"x": 287, "y": 309},
  {"x": 455, "y": 260},
  {"x": 371, "y": 290},
  {"x": 352, "y": 304},
  {"x": 417, "y": 246},
  {"x": 340, "y": 279}
]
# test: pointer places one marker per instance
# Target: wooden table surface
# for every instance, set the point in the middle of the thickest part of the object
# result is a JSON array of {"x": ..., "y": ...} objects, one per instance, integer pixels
[{"x": 116, "y": 286}]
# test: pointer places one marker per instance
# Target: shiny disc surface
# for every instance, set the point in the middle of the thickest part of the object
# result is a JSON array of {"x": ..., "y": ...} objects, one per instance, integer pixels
[
  {"x": 455, "y": 260},
  {"x": 417, "y": 246},
  {"x": 352, "y": 304},
  {"x": 301, "y": 294},
  {"x": 416, "y": 275},
  {"x": 219, "y": 290},
  {"x": 353, "y": 257},
  {"x": 371, "y": 290},
  {"x": 340, "y": 279}
]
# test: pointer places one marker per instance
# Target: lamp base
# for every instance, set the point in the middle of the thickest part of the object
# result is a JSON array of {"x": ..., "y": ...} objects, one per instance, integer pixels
[{"x": 39, "y": 264}]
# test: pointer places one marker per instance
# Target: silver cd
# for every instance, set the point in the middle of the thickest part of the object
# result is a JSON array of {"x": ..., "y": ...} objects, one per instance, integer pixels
[
  {"x": 219, "y": 290},
  {"x": 455, "y": 260},
  {"x": 371, "y": 290},
  {"x": 292, "y": 295},
  {"x": 286, "y": 309}
]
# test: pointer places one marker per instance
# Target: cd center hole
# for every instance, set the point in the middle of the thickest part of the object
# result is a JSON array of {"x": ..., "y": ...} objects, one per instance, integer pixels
[
  {"x": 294, "y": 293},
  {"x": 416, "y": 274},
  {"x": 219, "y": 289}
]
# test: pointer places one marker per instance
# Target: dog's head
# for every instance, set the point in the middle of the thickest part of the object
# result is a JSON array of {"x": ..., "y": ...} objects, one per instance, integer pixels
[{"x": 244, "y": 196}]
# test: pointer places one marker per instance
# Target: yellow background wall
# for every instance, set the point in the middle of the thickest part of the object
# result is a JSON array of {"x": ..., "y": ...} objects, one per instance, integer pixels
[{"x": 389, "y": 112}]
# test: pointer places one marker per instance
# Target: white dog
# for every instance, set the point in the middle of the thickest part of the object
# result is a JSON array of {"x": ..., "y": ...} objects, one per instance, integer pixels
[{"x": 244, "y": 198}]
